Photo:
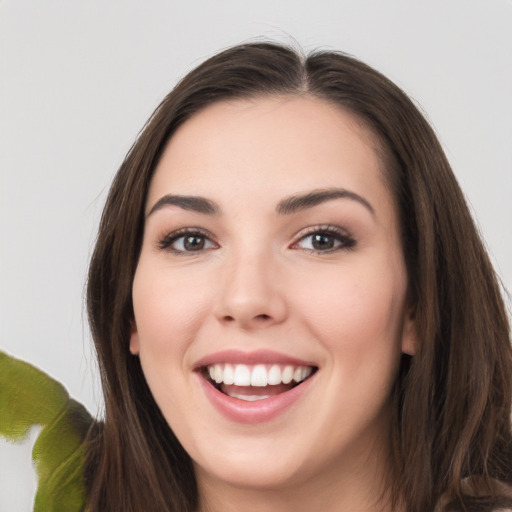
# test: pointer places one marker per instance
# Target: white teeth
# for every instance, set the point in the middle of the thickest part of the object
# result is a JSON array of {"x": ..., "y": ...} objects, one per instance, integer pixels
[
  {"x": 287, "y": 374},
  {"x": 242, "y": 375},
  {"x": 274, "y": 375},
  {"x": 218, "y": 374},
  {"x": 259, "y": 375},
  {"x": 301, "y": 373},
  {"x": 248, "y": 398},
  {"x": 229, "y": 374}
]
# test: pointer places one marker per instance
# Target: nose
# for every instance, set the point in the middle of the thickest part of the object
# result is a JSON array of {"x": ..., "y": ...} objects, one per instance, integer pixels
[{"x": 252, "y": 293}]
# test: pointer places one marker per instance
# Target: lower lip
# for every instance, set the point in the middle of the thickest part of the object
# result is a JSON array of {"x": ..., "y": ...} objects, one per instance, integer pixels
[{"x": 258, "y": 411}]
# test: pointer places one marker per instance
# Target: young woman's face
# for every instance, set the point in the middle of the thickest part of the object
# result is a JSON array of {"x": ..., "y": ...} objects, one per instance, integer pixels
[{"x": 271, "y": 254}]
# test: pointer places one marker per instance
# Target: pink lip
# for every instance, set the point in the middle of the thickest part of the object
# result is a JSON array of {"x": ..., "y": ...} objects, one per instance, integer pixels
[
  {"x": 259, "y": 411},
  {"x": 249, "y": 358}
]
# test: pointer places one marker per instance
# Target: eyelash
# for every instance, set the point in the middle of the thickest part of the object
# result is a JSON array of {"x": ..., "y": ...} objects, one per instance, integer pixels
[
  {"x": 345, "y": 241},
  {"x": 167, "y": 241}
]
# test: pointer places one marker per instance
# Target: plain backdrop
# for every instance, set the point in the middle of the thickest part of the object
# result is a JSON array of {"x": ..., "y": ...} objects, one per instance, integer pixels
[{"x": 79, "y": 79}]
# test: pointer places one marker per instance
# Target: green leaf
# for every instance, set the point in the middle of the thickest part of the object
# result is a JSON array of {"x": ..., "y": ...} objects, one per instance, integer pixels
[{"x": 29, "y": 397}]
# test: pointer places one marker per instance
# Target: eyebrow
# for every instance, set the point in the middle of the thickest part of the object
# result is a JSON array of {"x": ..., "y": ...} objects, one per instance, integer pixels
[
  {"x": 192, "y": 203},
  {"x": 300, "y": 202},
  {"x": 286, "y": 206}
]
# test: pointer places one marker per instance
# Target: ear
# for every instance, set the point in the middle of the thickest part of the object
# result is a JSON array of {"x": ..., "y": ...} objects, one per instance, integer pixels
[
  {"x": 134, "y": 340},
  {"x": 410, "y": 333}
]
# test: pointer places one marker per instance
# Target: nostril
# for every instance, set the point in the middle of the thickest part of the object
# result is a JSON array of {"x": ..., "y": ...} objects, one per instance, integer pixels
[{"x": 247, "y": 318}]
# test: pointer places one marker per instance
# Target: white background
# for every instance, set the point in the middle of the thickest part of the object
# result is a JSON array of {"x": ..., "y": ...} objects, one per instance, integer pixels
[{"x": 79, "y": 79}]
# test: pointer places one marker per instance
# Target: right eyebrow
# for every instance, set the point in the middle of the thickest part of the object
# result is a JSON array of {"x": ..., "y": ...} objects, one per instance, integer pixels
[{"x": 192, "y": 203}]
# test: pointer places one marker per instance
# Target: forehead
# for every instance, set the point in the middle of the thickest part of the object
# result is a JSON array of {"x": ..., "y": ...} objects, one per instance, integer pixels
[{"x": 270, "y": 145}]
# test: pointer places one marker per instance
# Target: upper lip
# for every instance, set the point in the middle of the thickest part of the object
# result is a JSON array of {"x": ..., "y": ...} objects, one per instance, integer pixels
[{"x": 251, "y": 358}]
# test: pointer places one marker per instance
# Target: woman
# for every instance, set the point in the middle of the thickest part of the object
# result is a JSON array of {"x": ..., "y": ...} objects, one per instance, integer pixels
[{"x": 291, "y": 305}]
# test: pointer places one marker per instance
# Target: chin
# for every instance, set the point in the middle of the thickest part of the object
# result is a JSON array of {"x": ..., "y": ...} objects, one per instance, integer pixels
[
  {"x": 255, "y": 475},
  {"x": 258, "y": 464}
]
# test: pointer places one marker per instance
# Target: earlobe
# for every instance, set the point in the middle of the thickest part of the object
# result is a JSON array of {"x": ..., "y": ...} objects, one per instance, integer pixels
[
  {"x": 410, "y": 334},
  {"x": 134, "y": 340}
]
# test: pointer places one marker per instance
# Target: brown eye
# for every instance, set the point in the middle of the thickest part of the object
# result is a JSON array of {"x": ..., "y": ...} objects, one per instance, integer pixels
[
  {"x": 183, "y": 242},
  {"x": 193, "y": 243},
  {"x": 325, "y": 240},
  {"x": 321, "y": 242}
]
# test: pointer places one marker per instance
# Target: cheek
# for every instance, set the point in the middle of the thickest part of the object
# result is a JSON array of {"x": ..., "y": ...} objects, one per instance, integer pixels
[
  {"x": 167, "y": 310},
  {"x": 357, "y": 313}
]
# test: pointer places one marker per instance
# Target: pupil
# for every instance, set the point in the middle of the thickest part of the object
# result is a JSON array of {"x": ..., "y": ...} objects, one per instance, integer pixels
[
  {"x": 323, "y": 242},
  {"x": 194, "y": 243}
]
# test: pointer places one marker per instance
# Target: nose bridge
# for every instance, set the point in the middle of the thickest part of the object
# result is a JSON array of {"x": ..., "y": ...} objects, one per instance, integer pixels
[{"x": 251, "y": 294}]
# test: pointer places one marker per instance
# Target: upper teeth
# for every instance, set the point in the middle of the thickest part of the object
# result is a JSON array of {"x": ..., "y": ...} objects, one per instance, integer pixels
[{"x": 258, "y": 375}]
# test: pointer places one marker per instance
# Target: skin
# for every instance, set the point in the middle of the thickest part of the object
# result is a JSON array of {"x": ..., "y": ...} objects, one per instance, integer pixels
[{"x": 257, "y": 284}]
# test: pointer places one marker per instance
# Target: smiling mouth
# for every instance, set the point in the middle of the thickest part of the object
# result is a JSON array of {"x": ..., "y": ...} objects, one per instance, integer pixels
[{"x": 255, "y": 382}]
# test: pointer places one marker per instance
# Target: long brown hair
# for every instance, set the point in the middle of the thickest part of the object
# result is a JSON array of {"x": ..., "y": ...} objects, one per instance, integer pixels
[{"x": 452, "y": 400}]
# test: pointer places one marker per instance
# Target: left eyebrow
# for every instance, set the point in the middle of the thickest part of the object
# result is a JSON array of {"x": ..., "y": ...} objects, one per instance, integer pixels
[{"x": 300, "y": 202}]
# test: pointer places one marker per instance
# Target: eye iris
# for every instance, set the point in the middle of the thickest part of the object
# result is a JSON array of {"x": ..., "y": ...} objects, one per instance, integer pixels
[
  {"x": 323, "y": 241},
  {"x": 193, "y": 243}
]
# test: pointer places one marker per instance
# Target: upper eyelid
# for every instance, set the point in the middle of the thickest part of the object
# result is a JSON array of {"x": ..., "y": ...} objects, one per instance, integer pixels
[
  {"x": 348, "y": 240},
  {"x": 188, "y": 230},
  {"x": 322, "y": 228},
  {"x": 166, "y": 239}
]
